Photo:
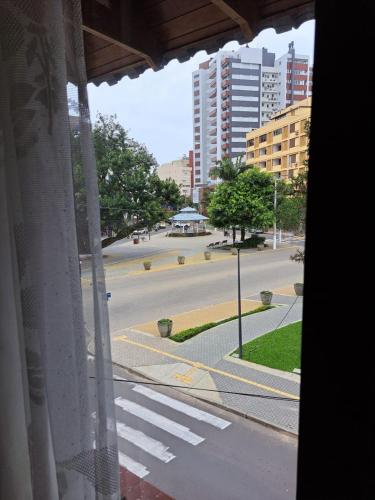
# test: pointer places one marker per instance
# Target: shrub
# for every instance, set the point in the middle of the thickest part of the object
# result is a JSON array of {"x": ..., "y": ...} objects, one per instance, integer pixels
[
  {"x": 253, "y": 241},
  {"x": 192, "y": 332},
  {"x": 299, "y": 256}
]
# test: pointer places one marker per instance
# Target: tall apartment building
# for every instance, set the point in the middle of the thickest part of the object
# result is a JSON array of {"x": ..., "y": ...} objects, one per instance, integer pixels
[
  {"x": 280, "y": 146},
  {"x": 238, "y": 91},
  {"x": 295, "y": 76},
  {"x": 180, "y": 171}
]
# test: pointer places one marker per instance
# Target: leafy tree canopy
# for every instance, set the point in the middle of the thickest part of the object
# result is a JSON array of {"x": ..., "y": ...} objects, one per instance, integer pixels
[
  {"x": 131, "y": 193},
  {"x": 246, "y": 202}
]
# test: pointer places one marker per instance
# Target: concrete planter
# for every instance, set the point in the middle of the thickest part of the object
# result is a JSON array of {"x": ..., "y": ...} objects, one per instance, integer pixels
[
  {"x": 260, "y": 246},
  {"x": 298, "y": 288},
  {"x": 233, "y": 251},
  {"x": 165, "y": 327},
  {"x": 266, "y": 298},
  {"x": 136, "y": 241},
  {"x": 207, "y": 255},
  {"x": 181, "y": 259},
  {"x": 147, "y": 265}
]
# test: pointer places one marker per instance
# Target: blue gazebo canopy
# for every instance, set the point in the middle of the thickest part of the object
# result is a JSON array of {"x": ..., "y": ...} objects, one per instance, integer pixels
[{"x": 188, "y": 214}]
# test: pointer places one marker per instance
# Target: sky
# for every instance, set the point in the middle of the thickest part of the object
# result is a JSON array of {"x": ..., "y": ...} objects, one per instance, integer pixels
[{"x": 156, "y": 107}]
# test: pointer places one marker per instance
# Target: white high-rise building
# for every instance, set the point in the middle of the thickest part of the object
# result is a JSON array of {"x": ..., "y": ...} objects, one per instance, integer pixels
[{"x": 233, "y": 93}]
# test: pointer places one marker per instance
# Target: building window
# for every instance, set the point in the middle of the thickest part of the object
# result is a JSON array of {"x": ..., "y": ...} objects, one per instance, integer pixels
[
  {"x": 250, "y": 143},
  {"x": 263, "y": 138},
  {"x": 292, "y": 127},
  {"x": 276, "y": 162},
  {"x": 197, "y": 172},
  {"x": 277, "y": 131},
  {"x": 292, "y": 143},
  {"x": 292, "y": 159},
  {"x": 197, "y": 155}
]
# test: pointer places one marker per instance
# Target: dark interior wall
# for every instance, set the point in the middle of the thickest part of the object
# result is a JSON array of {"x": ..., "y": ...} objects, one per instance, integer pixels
[{"x": 336, "y": 446}]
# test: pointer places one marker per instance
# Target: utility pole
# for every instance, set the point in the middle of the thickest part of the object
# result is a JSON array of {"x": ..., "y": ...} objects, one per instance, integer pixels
[
  {"x": 239, "y": 305},
  {"x": 274, "y": 216}
]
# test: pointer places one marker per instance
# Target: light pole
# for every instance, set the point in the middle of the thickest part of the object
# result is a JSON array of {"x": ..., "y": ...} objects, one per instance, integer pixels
[
  {"x": 274, "y": 215},
  {"x": 239, "y": 305}
]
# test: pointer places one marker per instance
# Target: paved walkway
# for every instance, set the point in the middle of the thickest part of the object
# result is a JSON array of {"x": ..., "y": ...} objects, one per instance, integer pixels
[
  {"x": 201, "y": 366},
  {"x": 197, "y": 317}
]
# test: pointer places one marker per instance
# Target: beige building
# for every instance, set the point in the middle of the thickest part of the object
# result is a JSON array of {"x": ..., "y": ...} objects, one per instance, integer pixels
[
  {"x": 180, "y": 171},
  {"x": 281, "y": 146}
]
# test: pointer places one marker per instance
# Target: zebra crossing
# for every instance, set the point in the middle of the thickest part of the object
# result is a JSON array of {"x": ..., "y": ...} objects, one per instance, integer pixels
[{"x": 154, "y": 448}]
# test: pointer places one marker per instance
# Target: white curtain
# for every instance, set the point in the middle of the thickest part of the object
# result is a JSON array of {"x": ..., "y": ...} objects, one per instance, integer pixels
[{"x": 57, "y": 420}]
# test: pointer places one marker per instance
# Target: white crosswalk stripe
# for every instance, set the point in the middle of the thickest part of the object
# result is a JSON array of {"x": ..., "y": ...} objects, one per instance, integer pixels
[
  {"x": 146, "y": 443},
  {"x": 160, "y": 421},
  {"x": 132, "y": 466},
  {"x": 182, "y": 407}
]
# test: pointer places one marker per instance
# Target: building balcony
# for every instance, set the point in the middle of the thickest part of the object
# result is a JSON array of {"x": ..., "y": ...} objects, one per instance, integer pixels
[
  {"x": 225, "y": 146},
  {"x": 213, "y": 103},
  {"x": 225, "y": 93},
  {"x": 225, "y": 115},
  {"x": 225, "y": 73},
  {"x": 213, "y": 122},
  {"x": 224, "y": 84},
  {"x": 213, "y": 140},
  {"x": 213, "y": 84},
  {"x": 225, "y": 61},
  {"x": 212, "y": 93},
  {"x": 225, "y": 136},
  {"x": 212, "y": 112},
  {"x": 225, "y": 105},
  {"x": 224, "y": 126},
  {"x": 213, "y": 150},
  {"x": 212, "y": 131}
]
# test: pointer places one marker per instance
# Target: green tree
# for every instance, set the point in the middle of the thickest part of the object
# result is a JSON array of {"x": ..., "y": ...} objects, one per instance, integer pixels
[
  {"x": 291, "y": 208},
  {"x": 228, "y": 171},
  {"x": 131, "y": 194},
  {"x": 245, "y": 202}
]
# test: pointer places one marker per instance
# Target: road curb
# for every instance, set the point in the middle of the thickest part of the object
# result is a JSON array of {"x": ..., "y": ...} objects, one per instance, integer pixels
[{"x": 222, "y": 406}]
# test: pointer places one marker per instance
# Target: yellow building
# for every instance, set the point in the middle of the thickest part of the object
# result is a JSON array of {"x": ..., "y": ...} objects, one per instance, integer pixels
[{"x": 280, "y": 147}]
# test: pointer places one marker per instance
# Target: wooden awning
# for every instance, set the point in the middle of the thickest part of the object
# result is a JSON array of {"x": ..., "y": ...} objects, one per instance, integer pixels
[{"x": 125, "y": 37}]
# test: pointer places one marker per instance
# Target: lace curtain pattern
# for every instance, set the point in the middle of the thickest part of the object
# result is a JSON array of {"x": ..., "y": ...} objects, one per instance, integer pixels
[{"x": 57, "y": 419}]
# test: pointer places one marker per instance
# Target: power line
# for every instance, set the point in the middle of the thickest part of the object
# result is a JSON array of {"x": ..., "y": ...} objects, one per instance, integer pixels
[{"x": 261, "y": 396}]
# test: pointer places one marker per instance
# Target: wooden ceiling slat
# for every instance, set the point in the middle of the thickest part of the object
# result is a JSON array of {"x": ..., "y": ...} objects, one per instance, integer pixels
[
  {"x": 207, "y": 32},
  {"x": 112, "y": 53},
  {"x": 281, "y": 7},
  {"x": 168, "y": 10},
  {"x": 114, "y": 67},
  {"x": 193, "y": 21}
]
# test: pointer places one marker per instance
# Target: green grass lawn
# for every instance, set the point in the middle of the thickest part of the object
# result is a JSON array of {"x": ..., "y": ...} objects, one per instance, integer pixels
[{"x": 280, "y": 349}]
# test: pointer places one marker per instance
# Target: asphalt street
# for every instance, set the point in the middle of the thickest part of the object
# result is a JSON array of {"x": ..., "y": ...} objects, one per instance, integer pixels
[
  {"x": 190, "y": 449},
  {"x": 145, "y": 297}
]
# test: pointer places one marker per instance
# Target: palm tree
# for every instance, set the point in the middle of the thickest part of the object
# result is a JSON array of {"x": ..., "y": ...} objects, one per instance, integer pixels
[{"x": 228, "y": 171}]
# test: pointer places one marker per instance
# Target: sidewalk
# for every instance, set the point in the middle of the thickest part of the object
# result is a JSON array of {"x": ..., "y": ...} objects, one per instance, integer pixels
[{"x": 201, "y": 366}]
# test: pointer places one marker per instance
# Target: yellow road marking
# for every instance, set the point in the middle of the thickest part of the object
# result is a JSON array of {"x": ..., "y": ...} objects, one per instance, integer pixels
[{"x": 267, "y": 388}]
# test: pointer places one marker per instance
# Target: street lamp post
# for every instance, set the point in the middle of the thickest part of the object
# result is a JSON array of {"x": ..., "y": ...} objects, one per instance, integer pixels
[
  {"x": 274, "y": 215},
  {"x": 239, "y": 305}
]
